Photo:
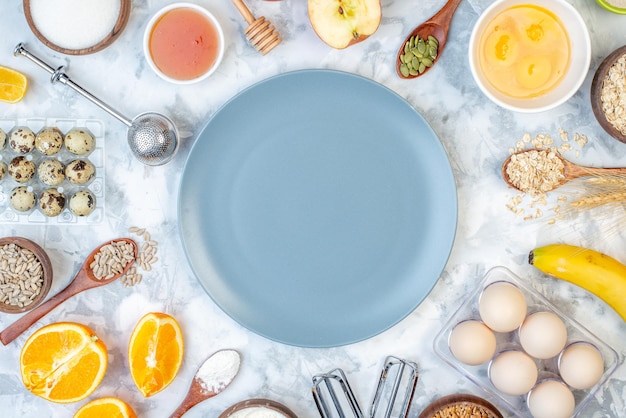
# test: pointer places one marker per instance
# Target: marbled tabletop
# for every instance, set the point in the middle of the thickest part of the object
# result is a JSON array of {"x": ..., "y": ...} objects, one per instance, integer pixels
[{"x": 476, "y": 134}]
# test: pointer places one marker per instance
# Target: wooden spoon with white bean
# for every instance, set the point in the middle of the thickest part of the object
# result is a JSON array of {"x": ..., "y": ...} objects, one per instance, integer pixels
[
  {"x": 550, "y": 170},
  {"x": 87, "y": 278}
]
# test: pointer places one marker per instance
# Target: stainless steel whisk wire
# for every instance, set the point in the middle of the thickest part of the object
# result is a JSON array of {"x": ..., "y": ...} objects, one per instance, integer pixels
[
  {"x": 152, "y": 137},
  {"x": 398, "y": 379}
]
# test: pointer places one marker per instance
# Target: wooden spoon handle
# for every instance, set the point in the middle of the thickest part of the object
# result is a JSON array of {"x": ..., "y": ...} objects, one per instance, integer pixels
[
  {"x": 18, "y": 327},
  {"x": 194, "y": 397},
  {"x": 245, "y": 12},
  {"x": 444, "y": 16},
  {"x": 575, "y": 171}
]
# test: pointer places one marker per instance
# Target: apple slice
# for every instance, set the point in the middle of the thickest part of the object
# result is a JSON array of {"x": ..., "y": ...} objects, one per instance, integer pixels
[{"x": 341, "y": 23}]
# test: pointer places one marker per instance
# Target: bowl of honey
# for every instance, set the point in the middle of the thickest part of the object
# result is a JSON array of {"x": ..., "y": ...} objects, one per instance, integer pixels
[
  {"x": 530, "y": 55},
  {"x": 183, "y": 43}
]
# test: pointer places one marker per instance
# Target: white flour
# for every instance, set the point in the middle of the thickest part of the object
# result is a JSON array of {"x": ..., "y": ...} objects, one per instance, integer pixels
[
  {"x": 219, "y": 370},
  {"x": 75, "y": 24},
  {"x": 256, "y": 412}
]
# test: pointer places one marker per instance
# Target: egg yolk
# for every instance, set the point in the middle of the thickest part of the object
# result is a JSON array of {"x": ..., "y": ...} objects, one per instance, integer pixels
[{"x": 524, "y": 51}]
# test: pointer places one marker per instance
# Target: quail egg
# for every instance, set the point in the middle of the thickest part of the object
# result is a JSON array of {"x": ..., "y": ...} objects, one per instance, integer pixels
[
  {"x": 49, "y": 141},
  {"x": 22, "y": 140},
  {"x": 3, "y": 138},
  {"x": 80, "y": 171},
  {"x": 51, "y": 172},
  {"x": 22, "y": 199},
  {"x": 82, "y": 203},
  {"x": 51, "y": 202},
  {"x": 79, "y": 141},
  {"x": 21, "y": 169},
  {"x": 3, "y": 170}
]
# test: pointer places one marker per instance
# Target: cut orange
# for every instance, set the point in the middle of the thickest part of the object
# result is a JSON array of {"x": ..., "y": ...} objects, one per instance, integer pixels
[
  {"x": 109, "y": 407},
  {"x": 63, "y": 362},
  {"x": 13, "y": 85},
  {"x": 155, "y": 352}
]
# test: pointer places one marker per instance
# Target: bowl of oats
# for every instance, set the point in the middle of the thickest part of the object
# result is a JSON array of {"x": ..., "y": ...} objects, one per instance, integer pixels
[
  {"x": 460, "y": 406},
  {"x": 25, "y": 274},
  {"x": 608, "y": 94}
]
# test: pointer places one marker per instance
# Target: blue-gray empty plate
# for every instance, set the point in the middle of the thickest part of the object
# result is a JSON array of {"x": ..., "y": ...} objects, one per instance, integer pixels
[{"x": 317, "y": 208}]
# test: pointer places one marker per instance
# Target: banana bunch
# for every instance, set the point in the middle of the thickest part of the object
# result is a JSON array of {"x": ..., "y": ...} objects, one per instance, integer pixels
[{"x": 598, "y": 273}]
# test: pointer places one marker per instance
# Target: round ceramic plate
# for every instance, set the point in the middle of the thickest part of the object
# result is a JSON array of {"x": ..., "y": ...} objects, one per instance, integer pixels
[{"x": 317, "y": 208}]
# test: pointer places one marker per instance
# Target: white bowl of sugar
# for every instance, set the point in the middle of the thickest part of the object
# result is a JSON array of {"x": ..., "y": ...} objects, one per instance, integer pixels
[{"x": 77, "y": 27}]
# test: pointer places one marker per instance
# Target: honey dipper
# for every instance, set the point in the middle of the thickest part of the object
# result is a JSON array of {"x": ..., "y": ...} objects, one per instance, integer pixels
[{"x": 260, "y": 32}]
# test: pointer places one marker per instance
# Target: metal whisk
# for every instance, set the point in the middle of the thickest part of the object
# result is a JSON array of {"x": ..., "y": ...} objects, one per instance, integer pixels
[
  {"x": 324, "y": 387},
  {"x": 394, "y": 393},
  {"x": 396, "y": 387},
  {"x": 152, "y": 137}
]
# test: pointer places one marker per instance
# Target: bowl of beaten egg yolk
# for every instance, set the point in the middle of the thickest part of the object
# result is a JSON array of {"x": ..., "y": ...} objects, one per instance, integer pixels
[{"x": 529, "y": 55}]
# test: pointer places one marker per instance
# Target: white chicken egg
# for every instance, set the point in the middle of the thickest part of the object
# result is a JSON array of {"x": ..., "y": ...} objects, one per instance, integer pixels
[
  {"x": 581, "y": 365},
  {"x": 472, "y": 342},
  {"x": 502, "y": 306},
  {"x": 513, "y": 372},
  {"x": 551, "y": 399},
  {"x": 543, "y": 335}
]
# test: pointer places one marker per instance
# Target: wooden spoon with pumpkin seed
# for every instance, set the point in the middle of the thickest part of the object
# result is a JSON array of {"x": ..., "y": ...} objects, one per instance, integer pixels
[{"x": 436, "y": 28}]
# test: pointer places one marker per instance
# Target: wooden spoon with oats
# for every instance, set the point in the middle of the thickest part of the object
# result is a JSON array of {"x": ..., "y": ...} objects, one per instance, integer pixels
[
  {"x": 104, "y": 265},
  {"x": 539, "y": 171}
]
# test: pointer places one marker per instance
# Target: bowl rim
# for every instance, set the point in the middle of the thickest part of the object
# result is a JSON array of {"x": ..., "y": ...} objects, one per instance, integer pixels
[
  {"x": 449, "y": 400},
  {"x": 183, "y": 5},
  {"x": 596, "y": 89},
  {"x": 575, "y": 80},
  {"x": 46, "y": 265},
  {"x": 116, "y": 31},
  {"x": 258, "y": 402},
  {"x": 614, "y": 9}
]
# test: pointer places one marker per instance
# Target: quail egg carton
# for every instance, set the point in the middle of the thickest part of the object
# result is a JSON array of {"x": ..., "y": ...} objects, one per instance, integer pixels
[
  {"x": 34, "y": 216},
  {"x": 536, "y": 302}
]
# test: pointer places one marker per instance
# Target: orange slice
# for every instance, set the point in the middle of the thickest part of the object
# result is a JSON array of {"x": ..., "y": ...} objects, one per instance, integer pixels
[
  {"x": 13, "y": 85},
  {"x": 63, "y": 362},
  {"x": 109, "y": 407},
  {"x": 155, "y": 352}
]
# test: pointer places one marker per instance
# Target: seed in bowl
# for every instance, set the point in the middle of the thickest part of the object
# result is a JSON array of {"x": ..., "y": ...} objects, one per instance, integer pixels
[
  {"x": 22, "y": 140},
  {"x": 51, "y": 202},
  {"x": 79, "y": 141},
  {"x": 21, "y": 277},
  {"x": 80, "y": 171},
  {"x": 49, "y": 141},
  {"x": 21, "y": 169},
  {"x": 82, "y": 203},
  {"x": 22, "y": 199},
  {"x": 51, "y": 172}
]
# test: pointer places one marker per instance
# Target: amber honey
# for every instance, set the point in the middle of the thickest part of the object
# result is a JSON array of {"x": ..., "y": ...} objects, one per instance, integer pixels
[{"x": 184, "y": 44}]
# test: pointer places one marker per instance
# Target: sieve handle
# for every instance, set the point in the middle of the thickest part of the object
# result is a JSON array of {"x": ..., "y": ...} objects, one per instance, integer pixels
[{"x": 57, "y": 75}]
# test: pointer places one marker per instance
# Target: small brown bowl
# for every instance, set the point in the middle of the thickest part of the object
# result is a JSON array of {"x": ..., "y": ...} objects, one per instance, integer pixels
[
  {"x": 43, "y": 258},
  {"x": 120, "y": 24},
  {"x": 460, "y": 400},
  {"x": 259, "y": 403},
  {"x": 596, "y": 93}
]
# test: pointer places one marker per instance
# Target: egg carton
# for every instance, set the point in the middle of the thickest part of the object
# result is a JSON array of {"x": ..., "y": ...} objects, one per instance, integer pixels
[
  {"x": 34, "y": 216},
  {"x": 547, "y": 368}
]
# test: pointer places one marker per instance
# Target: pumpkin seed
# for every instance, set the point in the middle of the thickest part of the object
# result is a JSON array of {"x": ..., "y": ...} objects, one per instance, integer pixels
[{"x": 419, "y": 54}]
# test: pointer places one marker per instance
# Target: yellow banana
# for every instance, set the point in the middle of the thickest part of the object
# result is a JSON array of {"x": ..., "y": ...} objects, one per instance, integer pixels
[{"x": 598, "y": 273}]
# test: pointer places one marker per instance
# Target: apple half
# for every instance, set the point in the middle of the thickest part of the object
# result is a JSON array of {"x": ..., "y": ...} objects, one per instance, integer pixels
[{"x": 341, "y": 23}]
